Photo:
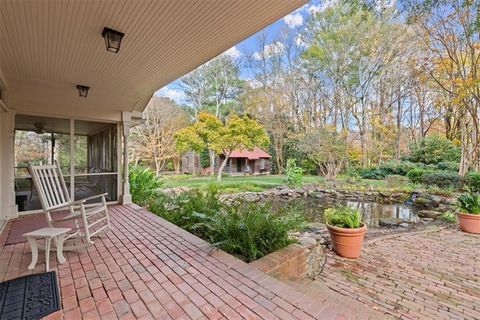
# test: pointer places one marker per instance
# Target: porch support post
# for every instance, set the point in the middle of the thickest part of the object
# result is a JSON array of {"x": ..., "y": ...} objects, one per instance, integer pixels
[
  {"x": 8, "y": 209},
  {"x": 126, "y": 197}
]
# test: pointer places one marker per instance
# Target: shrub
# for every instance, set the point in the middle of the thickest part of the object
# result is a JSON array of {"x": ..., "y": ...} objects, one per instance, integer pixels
[
  {"x": 472, "y": 181},
  {"x": 308, "y": 166},
  {"x": 392, "y": 167},
  {"x": 374, "y": 173},
  {"x": 352, "y": 174},
  {"x": 434, "y": 149},
  {"x": 143, "y": 185},
  {"x": 294, "y": 174},
  {"x": 469, "y": 203},
  {"x": 442, "y": 179},
  {"x": 327, "y": 149},
  {"x": 343, "y": 217},
  {"x": 447, "y": 166},
  {"x": 396, "y": 167},
  {"x": 416, "y": 175}
]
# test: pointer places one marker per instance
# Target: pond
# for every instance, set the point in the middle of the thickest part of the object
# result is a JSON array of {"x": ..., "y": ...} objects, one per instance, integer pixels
[{"x": 372, "y": 211}]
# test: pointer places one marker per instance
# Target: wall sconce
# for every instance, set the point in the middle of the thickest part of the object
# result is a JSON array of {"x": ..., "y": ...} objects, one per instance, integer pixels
[
  {"x": 113, "y": 39},
  {"x": 82, "y": 91}
]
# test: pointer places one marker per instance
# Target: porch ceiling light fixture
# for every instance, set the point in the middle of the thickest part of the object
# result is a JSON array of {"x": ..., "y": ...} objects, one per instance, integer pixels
[
  {"x": 113, "y": 39},
  {"x": 82, "y": 91}
]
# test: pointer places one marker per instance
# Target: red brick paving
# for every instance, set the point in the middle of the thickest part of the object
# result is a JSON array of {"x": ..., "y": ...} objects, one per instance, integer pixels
[
  {"x": 432, "y": 275},
  {"x": 150, "y": 269}
]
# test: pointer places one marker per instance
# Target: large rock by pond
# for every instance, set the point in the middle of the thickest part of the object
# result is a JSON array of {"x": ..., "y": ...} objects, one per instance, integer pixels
[
  {"x": 390, "y": 222},
  {"x": 430, "y": 201},
  {"x": 432, "y": 214}
]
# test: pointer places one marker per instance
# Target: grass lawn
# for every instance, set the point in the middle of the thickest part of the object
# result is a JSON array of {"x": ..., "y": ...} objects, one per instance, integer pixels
[
  {"x": 260, "y": 183},
  {"x": 233, "y": 184}
]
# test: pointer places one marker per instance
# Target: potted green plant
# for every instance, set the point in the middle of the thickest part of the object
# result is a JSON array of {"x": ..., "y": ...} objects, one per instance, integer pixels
[
  {"x": 346, "y": 230},
  {"x": 469, "y": 212}
]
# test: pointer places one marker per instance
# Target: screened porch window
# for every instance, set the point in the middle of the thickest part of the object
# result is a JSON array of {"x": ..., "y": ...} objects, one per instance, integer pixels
[{"x": 85, "y": 150}]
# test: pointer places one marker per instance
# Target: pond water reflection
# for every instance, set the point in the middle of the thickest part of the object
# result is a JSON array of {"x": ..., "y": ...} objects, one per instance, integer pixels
[{"x": 372, "y": 211}]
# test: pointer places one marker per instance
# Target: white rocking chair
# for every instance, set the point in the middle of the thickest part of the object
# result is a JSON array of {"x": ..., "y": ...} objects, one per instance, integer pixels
[{"x": 54, "y": 196}]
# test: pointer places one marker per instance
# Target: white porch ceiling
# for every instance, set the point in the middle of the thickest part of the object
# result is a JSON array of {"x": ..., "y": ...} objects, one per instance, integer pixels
[{"x": 48, "y": 47}]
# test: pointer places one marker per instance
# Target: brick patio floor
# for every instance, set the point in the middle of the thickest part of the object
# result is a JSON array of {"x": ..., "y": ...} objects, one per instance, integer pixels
[
  {"x": 431, "y": 275},
  {"x": 150, "y": 269}
]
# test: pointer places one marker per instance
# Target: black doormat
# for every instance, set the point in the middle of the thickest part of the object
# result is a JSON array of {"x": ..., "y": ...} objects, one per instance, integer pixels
[{"x": 29, "y": 297}]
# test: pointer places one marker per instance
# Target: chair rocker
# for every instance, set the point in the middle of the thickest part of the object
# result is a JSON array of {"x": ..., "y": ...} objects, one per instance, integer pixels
[{"x": 54, "y": 196}]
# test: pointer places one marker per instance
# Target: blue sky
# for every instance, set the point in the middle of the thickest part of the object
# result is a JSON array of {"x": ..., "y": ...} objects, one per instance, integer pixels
[
  {"x": 295, "y": 21},
  {"x": 249, "y": 46}
]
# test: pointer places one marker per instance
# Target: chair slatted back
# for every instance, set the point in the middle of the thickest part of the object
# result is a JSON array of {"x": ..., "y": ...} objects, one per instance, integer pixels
[{"x": 50, "y": 186}]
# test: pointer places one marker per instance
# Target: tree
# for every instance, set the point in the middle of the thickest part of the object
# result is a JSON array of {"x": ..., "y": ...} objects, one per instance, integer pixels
[
  {"x": 236, "y": 133},
  {"x": 327, "y": 150},
  {"x": 451, "y": 34},
  {"x": 199, "y": 135},
  {"x": 378, "y": 79},
  {"x": 213, "y": 87},
  {"x": 154, "y": 139},
  {"x": 275, "y": 120},
  {"x": 434, "y": 149},
  {"x": 351, "y": 48}
]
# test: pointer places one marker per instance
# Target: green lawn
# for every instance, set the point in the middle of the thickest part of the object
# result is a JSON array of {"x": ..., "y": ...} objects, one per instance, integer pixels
[
  {"x": 233, "y": 184},
  {"x": 260, "y": 183}
]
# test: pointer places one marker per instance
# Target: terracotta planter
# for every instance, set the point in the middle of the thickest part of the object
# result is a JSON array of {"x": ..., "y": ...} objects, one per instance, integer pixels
[
  {"x": 469, "y": 222},
  {"x": 347, "y": 242}
]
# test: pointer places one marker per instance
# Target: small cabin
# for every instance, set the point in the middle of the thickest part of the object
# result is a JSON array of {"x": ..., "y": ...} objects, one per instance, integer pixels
[
  {"x": 245, "y": 162},
  {"x": 241, "y": 162}
]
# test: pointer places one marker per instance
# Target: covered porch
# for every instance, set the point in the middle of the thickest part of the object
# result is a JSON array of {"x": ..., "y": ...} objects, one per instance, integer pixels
[
  {"x": 65, "y": 81},
  {"x": 149, "y": 268}
]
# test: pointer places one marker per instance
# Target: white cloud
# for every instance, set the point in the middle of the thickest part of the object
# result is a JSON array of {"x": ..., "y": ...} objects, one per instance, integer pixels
[
  {"x": 299, "y": 41},
  {"x": 293, "y": 20},
  {"x": 176, "y": 95},
  {"x": 313, "y": 9},
  {"x": 233, "y": 53},
  {"x": 270, "y": 50},
  {"x": 385, "y": 4}
]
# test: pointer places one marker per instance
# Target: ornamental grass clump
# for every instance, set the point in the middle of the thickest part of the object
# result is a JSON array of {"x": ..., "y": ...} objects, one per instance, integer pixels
[
  {"x": 144, "y": 185},
  {"x": 469, "y": 203},
  {"x": 248, "y": 230},
  {"x": 469, "y": 212},
  {"x": 346, "y": 230},
  {"x": 343, "y": 217}
]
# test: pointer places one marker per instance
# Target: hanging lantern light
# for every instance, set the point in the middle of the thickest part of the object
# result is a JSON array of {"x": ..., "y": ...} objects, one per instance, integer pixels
[
  {"x": 113, "y": 39},
  {"x": 82, "y": 91}
]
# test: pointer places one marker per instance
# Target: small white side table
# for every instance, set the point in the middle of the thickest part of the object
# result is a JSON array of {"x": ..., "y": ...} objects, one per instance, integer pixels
[{"x": 48, "y": 234}]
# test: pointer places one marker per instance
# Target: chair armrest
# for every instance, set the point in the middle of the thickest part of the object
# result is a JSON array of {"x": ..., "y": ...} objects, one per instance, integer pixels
[
  {"x": 89, "y": 198},
  {"x": 62, "y": 206},
  {"x": 77, "y": 202}
]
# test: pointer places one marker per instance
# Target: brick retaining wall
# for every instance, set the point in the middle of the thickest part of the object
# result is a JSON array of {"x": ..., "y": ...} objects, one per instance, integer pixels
[{"x": 287, "y": 263}]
